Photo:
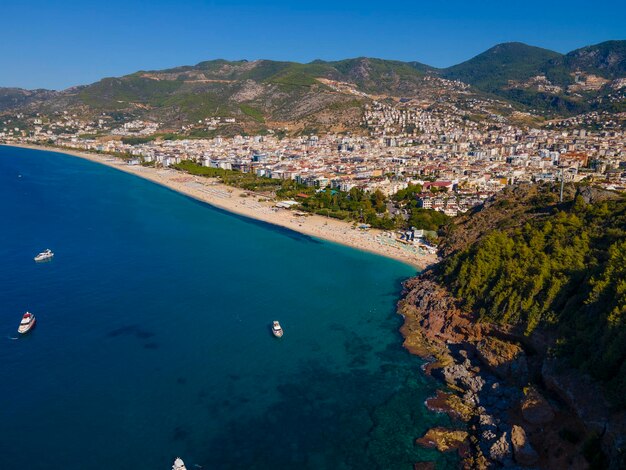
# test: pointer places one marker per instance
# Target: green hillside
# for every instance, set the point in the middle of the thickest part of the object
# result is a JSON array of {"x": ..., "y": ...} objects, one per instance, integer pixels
[
  {"x": 11, "y": 98},
  {"x": 297, "y": 94},
  {"x": 380, "y": 76},
  {"x": 255, "y": 92},
  {"x": 492, "y": 70},
  {"x": 557, "y": 267},
  {"x": 607, "y": 59},
  {"x": 506, "y": 70}
]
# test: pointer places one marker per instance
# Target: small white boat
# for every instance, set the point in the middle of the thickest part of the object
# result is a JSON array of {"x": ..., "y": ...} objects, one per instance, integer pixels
[
  {"x": 27, "y": 323},
  {"x": 44, "y": 255},
  {"x": 179, "y": 464},
  {"x": 277, "y": 330}
]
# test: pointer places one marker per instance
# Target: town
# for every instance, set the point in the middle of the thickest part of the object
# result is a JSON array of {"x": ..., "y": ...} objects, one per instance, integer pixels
[{"x": 458, "y": 163}]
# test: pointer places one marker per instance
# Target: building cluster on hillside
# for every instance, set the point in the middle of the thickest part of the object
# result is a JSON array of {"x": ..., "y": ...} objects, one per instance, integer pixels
[
  {"x": 458, "y": 162},
  {"x": 136, "y": 128}
]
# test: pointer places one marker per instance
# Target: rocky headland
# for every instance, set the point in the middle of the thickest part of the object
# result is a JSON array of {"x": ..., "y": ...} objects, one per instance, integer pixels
[
  {"x": 514, "y": 402},
  {"x": 515, "y": 405}
]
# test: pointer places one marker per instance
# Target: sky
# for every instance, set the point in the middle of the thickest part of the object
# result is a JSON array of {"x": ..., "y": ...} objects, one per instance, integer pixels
[{"x": 56, "y": 44}]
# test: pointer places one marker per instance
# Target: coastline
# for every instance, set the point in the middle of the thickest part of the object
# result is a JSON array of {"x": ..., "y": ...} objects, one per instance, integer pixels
[
  {"x": 509, "y": 400},
  {"x": 231, "y": 199}
]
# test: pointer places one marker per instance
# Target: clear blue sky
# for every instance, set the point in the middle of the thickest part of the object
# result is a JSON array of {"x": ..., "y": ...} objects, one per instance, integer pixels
[{"x": 60, "y": 43}]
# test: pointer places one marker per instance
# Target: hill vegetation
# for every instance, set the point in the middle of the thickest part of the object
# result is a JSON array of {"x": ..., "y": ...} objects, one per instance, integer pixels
[
  {"x": 253, "y": 92},
  {"x": 492, "y": 70},
  {"x": 607, "y": 59},
  {"x": 510, "y": 71},
  {"x": 15, "y": 98},
  {"x": 551, "y": 266},
  {"x": 302, "y": 96}
]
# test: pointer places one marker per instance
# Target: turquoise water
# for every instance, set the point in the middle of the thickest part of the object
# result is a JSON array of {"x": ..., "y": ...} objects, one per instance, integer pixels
[{"x": 153, "y": 335}]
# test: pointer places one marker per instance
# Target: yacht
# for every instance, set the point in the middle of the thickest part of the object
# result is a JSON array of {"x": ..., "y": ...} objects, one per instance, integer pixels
[
  {"x": 179, "y": 464},
  {"x": 27, "y": 323},
  {"x": 277, "y": 330},
  {"x": 44, "y": 255}
]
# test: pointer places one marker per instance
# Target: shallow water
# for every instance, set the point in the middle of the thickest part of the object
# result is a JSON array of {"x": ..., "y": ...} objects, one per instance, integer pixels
[{"x": 153, "y": 336}]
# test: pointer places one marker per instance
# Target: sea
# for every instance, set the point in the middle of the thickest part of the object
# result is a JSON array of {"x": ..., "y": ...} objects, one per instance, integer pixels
[{"x": 153, "y": 334}]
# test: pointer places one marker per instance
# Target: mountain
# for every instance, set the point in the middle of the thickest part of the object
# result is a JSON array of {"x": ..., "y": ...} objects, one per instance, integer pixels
[
  {"x": 380, "y": 76},
  {"x": 331, "y": 95},
  {"x": 12, "y": 98},
  {"x": 317, "y": 95},
  {"x": 607, "y": 59},
  {"x": 370, "y": 75},
  {"x": 493, "y": 69},
  {"x": 577, "y": 82}
]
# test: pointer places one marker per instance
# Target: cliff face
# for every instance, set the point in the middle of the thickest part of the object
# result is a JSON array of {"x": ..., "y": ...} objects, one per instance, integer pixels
[{"x": 430, "y": 311}]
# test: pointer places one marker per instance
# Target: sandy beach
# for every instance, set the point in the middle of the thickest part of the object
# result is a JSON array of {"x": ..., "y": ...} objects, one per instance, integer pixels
[{"x": 241, "y": 202}]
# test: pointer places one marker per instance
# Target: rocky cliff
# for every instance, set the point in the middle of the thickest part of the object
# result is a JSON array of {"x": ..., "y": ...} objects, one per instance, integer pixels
[{"x": 520, "y": 407}]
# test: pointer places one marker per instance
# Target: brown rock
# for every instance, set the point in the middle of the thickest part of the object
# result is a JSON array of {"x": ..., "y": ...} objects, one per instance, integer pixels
[
  {"x": 451, "y": 404},
  {"x": 445, "y": 440},
  {"x": 504, "y": 359},
  {"x": 614, "y": 440},
  {"x": 523, "y": 452},
  {"x": 535, "y": 408},
  {"x": 430, "y": 311},
  {"x": 500, "y": 450}
]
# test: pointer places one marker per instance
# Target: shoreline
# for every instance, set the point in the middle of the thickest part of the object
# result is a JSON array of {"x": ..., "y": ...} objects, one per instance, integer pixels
[
  {"x": 232, "y": 199},
  {"x": 508, "y": 400}
]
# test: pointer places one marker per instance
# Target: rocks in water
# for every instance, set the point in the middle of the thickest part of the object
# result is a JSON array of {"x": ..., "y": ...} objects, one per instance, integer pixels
[
  {"x": 498, "y": 398},
  {"x": 471, "y": 399},
  {"x": 487, "y": 370},
  {"x": 460, "y": 376},
  {"x": 535, "y": 408},
  {"x": 494, "y": 443},
  {"x": 523, "y": 452},
  {"x": 504, "y": 359},
  {"x": 445, "y": 440},
  {"x": 452, "y": 404},
  {"x": 500, "y": 449},
  {"x": 487, "y": 423}
]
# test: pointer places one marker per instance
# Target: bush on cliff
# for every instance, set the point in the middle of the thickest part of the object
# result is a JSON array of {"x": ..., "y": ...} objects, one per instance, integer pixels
[{"x": 565, "y": 270}]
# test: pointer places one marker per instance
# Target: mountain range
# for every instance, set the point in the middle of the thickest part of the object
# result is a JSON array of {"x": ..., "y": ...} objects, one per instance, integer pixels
[{"x": 331, "y": 95}]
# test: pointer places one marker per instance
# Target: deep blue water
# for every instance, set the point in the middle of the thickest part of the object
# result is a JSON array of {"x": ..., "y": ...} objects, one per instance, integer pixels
[{"x": 153, "y": 335}]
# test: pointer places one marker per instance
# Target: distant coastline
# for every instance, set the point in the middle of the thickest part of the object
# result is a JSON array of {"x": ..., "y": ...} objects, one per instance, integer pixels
[{"x": 242, "y": 203}]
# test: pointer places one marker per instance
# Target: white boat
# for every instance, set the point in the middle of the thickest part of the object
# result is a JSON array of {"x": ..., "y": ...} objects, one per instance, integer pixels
[
  {"x": 277, "y": 330},
  {"x": 179, "y": 464},
  {"x": 27, "y": 323},
  {"x": 44, "y": 255}
]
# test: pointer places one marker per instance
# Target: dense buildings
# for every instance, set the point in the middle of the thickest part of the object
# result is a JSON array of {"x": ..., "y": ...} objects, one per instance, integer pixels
[{"x": 458, "y": 162}]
